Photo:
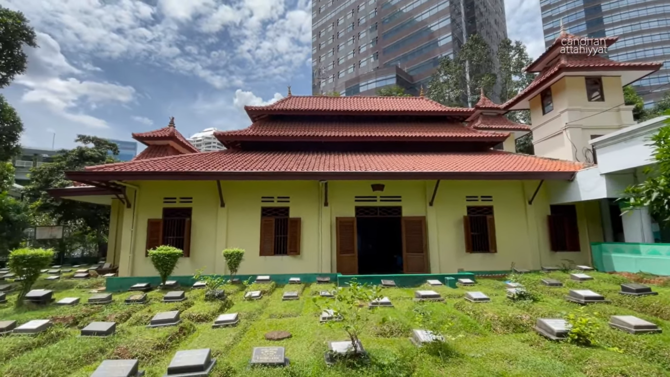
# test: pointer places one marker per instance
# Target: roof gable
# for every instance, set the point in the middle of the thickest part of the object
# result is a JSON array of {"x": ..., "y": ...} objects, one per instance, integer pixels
[{"x": 166, "y": 135}]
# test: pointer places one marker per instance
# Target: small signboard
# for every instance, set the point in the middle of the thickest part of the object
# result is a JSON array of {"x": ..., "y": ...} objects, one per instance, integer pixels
[{"x": 49, "y": 232}]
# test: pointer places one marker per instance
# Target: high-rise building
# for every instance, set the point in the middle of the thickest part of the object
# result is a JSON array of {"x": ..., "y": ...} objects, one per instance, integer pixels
[
  {"x": 643, "y": 27},
  {"x": 30, "y": 158},
  {"x": 127, "y": 149},
  {"x": 359, "y": 46},
  {"x": 205, "y": 141}
]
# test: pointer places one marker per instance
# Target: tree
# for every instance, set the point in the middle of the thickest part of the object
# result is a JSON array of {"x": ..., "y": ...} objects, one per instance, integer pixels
[
  {"x": 233, "y": 258},
  {"x": 89, "y": 221},
  {"x": 632, "y": 98},
  {"x": 458, "y": 81},
  {"x": 27, "y": 263},
  {"x": 393, "y": 91},
  {"x": 14, "y": 219},
  {"x": 660, "y": 108},
  {"x": 512, "y": 59},
  {"x": 165, "y": 258},
  {"x": 10, "y": 129},
  {"x": 15, "y": 32}
]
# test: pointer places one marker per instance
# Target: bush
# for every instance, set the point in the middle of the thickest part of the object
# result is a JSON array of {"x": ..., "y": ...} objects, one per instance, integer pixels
[
  {"x": 165, "y": 258},
  {"x": 233, "y": 259},
  {"x": 583, "y": 328},
  {"x": 213, "y": 285},
  {"x": 27, "y": 263}
]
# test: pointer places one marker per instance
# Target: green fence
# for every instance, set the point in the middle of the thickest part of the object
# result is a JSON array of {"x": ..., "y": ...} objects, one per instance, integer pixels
[{"x": 653, "y": 258}]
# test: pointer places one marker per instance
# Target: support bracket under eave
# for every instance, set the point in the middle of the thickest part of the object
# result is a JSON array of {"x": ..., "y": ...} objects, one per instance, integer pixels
[
  {"x": 432, "y": 199},
  {"x": 325, "y": 194},
  {"x": 122, "y": 195},
  {"x": 530, "y": 202},
  {"x": 222, "y": 203}
]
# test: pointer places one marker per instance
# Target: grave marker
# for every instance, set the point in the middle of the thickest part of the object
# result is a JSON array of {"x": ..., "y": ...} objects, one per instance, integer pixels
[
  {"x": 44, "y": 271},
  {"x": 199, "y": 284},
  {"x": 388, "y": 283},
  {"x": 633, "y": 325},
  {"x": 142, "y": 287},
  {"x": 583, "y": 268},
  {"x": 521, "y": 271},
  {"x": 81, "y": 276},
  {"x": 68, "y": 301},
  {"x": 67, "y": 270},
  {"x": 191, "y": 363},
  {"x": 290, "y": 296},
  {"x": 174, "y": 296},
  {"x": 269, "y": 356},
  {"x": 552, "y": 283},
  {"x": 633, "y": 289},
  {"x": 6, "y": 327},
  {"x": 118, "y": 368},
  {"x": 53, "y": 277},
  {"x": 510, "y": 284},
  {"x": 53, "y": 272},
  {"x": 423, "y": 337},
  {"x": 262, "y": 279},
  {"x": 10, "y": 275},
  {"x": 326, "y": 294},
  {"x": 224, "y": 320},
  {"x": 550, "y": 268},
  {"x": 322, "y": 280},
  {"x": 164, "y": 319},
  {"x": 253, "y": 295},
  {"x": 294, "y": 281},
  {"x": 552, "y": 328},
  {"x": 99, "y": 329},
  {"x": 35, "y": 326},
  {"x": 100, "y": 299},
  {"x": 466, "y": 282},
  {"x": 56, "y": 266},
  {"x": 3, "y": 298},
  {"x": 434, "y": 282},
  {"x": 170, "y": 284},
  {"x": 329, "y": 315},
  {"x": 39, "y": 297},
  {"x": 580, "y": 277},
  {"x": 137, "y": 299},
  {"x": 342, "y": 348},
  {"x": 5, "y": 288},
  {"x": 477, "y": 297},
  {"x": 584, "y": 296},
  {"x": 381, "y": 302},
  {"x": 82, "y": 271},
  {"x": 109, "y": 275},
  {"x": 427, "y": 296},
  {"x": 514, "y": 292}
]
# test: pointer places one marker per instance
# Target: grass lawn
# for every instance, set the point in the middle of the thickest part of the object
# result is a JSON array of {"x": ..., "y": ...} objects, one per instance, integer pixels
[{"x": 493, "y": 339}]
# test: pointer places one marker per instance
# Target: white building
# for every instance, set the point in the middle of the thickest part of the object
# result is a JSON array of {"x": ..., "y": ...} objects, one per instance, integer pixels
[{"x": 205, "y": 141}]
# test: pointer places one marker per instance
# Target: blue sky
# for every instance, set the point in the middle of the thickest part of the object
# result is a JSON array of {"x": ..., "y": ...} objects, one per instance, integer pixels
[{"x": 112, "y": 67}]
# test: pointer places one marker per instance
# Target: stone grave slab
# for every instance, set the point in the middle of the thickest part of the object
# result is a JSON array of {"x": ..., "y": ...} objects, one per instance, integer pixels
[
  {"x": 552, "y": 283},
  {"x": 580, "y": 277},
  {"x": 100, "y": 299},
  {"x": 118, "y": 368},
  {"x": 510, "y": 284},
  {"x": 56, "y": 266},
  {"x": 81, "y": 271},
  {"x": 633, "y": 325},
  {"x": 294, "y": 280},
  {"x": 141, "y": 287},
  {"x": 326, "y": 294},
  {"x": 253, "y": 295},
  {"x": 584, "y": 296},
  {"x": 427, "y": 296},
  {"x": 634, "y": 289},
  {"x": 521, "y": 271},
  {"x": 35, "y": 326},
  {"x": 322, "y": 280},
  {"x": 434, "y": 282},
  {"x": 513, "y": 292},
  {"x": 39, "y": 296},
  {"x": 67, "y": 270},
  {"x": 53, "y": 271},
  {"x": 552, "y": 328},
  {"x": 422, "y": 337},
  {"x": 77, "y": 266},
  {"x": 466, "y": 282},
  {"x": 269, "y": 356},
  {"x": 53, "y": 277},
  {"x": 290, "y": 296},
  {"x": 10, "y": 275},
  {"x": 550, "y": 268},
  {"x": 99, "y": 329},
  {"x": 381, "y": 302},
  {"x": 199, "y": 284},
  {"x": 170, "y": 284},
  {"x": 20, "y": 278},
  {"x": 4, "y": 270},
  {"x": 477, "y": 297},
  {"x": 7, "y": 327},
  {"x": 329, "y": 315},
  {"x": 44, "y": 271},
  {"x": 68, "y": 301},
  {"x": 109, "y": 275},
  {"x": 342, "y": 348},
  {"x": 174, "y": 296},
  {"x": 164, "y": 319},
  {"x": 3, "y": 298},
  {"x": 81, "y": 276},
  {"x": 262, "y": 279},
  {"x": 225, "y": 320},
  {"x": 388, "y": 283},
  {"x": 140, "y": 298},
  {"x": 191, "y": 363},
  {"x": 5, "y": 288},
  {"x": 583, "y": 268}
]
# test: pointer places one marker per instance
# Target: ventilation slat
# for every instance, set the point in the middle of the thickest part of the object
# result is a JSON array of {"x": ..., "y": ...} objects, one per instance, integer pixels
[{"x": 472, "y": 198}]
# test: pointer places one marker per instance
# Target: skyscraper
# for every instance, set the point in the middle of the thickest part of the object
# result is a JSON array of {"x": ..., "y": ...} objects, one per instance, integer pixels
[
  {"x": 359, "y": 46},
  {"x": 643, "y": 27},
  {"x": 205, "y": 141},
  {"x": 127, "y": 149}
]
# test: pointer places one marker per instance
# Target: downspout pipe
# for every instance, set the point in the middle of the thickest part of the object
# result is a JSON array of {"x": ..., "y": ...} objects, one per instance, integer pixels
[{"x": 136, "y": 190}]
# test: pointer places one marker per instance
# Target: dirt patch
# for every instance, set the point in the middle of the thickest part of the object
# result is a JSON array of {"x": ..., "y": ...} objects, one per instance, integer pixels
[{"x": 644, "y": 279}]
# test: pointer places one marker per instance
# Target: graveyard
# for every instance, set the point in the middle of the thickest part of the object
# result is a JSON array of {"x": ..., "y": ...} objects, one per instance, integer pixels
[{"x": 486, "y": 327}]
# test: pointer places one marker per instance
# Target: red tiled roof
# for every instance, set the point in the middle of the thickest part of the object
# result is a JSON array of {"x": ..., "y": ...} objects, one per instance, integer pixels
[
  {"x": 355, "y": 105},
  {"x": 356, "y": 129},
  {"x": 562, "y": 40},
  {"x": 579, "y": 63},
  {"x": 153, "y": 151},
  {"x": 485, "y": 103},
  {"x": 497, "y": 123},
  {"x": 168, "y": 133},
  {"x": 240, "y": 164}
]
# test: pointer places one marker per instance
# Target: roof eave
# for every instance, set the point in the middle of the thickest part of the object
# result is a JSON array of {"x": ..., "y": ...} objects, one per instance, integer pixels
[{"x": 492, "y": 138}]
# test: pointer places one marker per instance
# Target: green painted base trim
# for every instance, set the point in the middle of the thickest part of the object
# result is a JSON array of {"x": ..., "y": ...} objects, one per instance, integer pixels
[
  {"x": 121, "y": 284},
  {"x": 630, "y": 243},
  {"x": 485, "y": 273}
]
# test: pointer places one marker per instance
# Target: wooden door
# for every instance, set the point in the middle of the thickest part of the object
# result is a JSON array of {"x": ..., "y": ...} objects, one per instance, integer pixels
[
  {"x": 347, "y": 246},
  {"x": 414, "y": 249}
]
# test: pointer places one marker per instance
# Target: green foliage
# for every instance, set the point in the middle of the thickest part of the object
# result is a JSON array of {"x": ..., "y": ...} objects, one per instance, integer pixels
[
  {"x": 661, "y": 107},
  {"x": 27, "y": 264},
  {"x": 10, "y": 123},
  {"x": 524, "y": 295},
  {"x": 654, "y": 192},
  {"x": 213, "y": 285},
  {"x": 15, "y": 34},
  {"x": 583, "y": 328},
  {"x": 631, "y": 98},
  {"x": 332, "y": 94},
  {"x": 233, "y": 258},
  {"x": 524, "y": 144},
  {"x": 14, "y": 219},
  {"x": 6, "y": 176},
  {"x": 393, "y": 91},
  {"x": 165, "y": 258}
]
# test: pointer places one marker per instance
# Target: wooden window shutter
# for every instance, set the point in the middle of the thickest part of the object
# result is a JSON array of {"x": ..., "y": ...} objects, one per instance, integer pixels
[
  {"x": 347, "y": 247},
  {"x": 294, "y": 225},
  {"x": 415, "y": 253},
  {"x": 490, "y": 221},
  {"x": 467, "y": 232},
  {"x": 187, "y": 238},
  {"x": 267, "y": 236},
  {"x": 554, "y": 234},
  {"x": 154, "y": 234}
]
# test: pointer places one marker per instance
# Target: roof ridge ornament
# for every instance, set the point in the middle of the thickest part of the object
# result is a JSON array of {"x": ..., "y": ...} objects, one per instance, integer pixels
[
  {"x": 171, "y": 124},
  {"x": 289, "y": 91},
  {"x": 421, "y": 94},
  {"x": 563, "y": 31}
]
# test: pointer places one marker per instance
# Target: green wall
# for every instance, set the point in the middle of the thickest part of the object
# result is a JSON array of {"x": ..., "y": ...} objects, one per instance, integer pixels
[{"x": 653, "y": 258}]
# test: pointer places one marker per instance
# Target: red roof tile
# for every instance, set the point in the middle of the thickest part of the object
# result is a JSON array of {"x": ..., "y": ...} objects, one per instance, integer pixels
[
  {"x": 356, "y": 129},
  {"x": 485, "y": 103},
  {"x": 153, "y": 151},
  {"x": 357, "y": 105},
  {"x": 236, "y": 163},
  {"x": 168, "y": 133},
  {"x": 497, "y": 123}
]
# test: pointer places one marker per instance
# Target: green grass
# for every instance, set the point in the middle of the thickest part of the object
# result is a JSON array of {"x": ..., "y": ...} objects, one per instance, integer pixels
[{"x": 489, "y": 339}]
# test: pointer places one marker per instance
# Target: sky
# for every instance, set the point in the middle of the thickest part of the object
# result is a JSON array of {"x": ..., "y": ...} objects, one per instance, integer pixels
[{"x": 112, "y": 67}]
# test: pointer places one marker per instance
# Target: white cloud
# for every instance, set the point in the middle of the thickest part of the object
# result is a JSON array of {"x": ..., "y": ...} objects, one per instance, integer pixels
[
  {"x": 524, "y": 23},
  {"x": 143, "y": 120},
  {"x": 184, "y": 9},
  {"x": 243, "y": 98}
]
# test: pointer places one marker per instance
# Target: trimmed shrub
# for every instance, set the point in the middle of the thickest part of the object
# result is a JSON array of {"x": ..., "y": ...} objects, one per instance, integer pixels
[
  {"x": 165, "y": 258},
  {"x": 27, "y": 263},
  {"x": 233, "y": 259}
]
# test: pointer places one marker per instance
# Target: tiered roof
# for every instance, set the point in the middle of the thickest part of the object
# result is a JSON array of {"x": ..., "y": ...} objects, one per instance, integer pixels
[
  {"x": 489, "y": 116},
  {"x": 166, "y": 141}
]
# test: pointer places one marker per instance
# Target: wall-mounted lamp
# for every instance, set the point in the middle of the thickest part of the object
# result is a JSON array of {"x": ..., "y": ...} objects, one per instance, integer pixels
[{"x": 377, "y": 187}]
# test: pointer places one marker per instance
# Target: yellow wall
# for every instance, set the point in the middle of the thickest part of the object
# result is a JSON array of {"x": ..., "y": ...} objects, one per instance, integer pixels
[
  {"x": 521, "y": 229},
  {"x": 115, "y": 232}
]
